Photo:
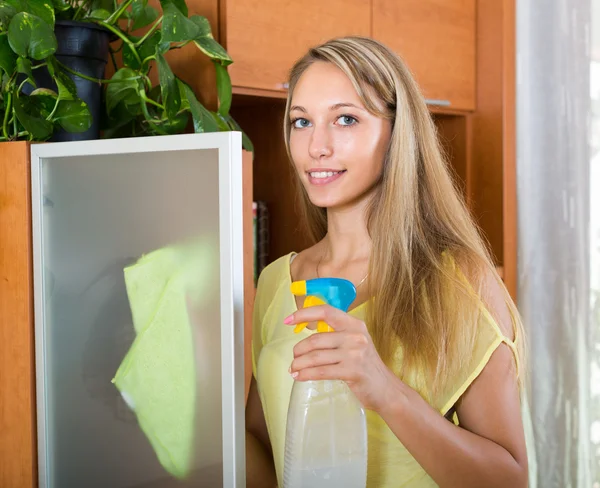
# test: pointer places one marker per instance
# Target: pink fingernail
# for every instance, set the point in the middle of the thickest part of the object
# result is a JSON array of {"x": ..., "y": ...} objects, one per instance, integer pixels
[
  {"x": 288, "y": 319},
  {"x": 294, "y": 374}
]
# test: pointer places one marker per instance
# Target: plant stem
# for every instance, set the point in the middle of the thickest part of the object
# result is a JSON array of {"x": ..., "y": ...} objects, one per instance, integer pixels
[
  {"x": 114, "y": 61},
  {"x": 124, "y": 38},
  {"x": 53, "y": 110},
  {"x": 39, "y": 65},
  {"x": 149, "y": 33},
  {"x": 117, "y": 14},
  {"x": 20, "y": 134},
  {"x": 143, "y": 99},
  {"x": 148, "y": 59},
  {"x": 8, "y": 109},
  {"x": 21, "y": 85},
  {"x": 81, "y": 4},
  {"x": 76, "y": 14},
  {"x": 156, "y": 104},
  {"x": 95, "y": 80}
]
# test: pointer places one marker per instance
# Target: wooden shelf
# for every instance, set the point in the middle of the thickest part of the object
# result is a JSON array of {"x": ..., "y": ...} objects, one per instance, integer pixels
[{"x": 259, "y": 93}]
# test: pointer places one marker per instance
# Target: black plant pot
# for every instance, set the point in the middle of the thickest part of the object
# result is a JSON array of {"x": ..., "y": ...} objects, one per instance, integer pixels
[{"x": 83, "y": 47}]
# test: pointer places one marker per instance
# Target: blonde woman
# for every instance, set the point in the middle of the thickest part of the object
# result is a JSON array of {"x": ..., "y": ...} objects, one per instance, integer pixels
[{"x": 432, "y": 345}]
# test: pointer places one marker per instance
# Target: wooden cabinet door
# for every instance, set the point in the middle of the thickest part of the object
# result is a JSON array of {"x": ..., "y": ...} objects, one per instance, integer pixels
[
  {"x": 436, "y": 38},
  {"x": 265, "y": 37}
]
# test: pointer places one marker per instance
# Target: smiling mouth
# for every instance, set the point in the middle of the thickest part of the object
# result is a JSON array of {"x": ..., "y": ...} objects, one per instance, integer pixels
[{"x": 324, "y": 177}]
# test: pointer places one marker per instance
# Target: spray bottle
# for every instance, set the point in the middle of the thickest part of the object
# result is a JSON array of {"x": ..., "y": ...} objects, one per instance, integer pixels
[{"x": 326, "y": 435}]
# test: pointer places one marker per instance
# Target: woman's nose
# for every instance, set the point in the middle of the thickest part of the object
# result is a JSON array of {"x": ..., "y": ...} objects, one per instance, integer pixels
[{"x": 320, "y": 144}]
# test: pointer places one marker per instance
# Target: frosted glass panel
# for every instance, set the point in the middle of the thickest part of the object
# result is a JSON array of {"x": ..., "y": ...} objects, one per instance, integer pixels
[{"x": 101, "y": 215}]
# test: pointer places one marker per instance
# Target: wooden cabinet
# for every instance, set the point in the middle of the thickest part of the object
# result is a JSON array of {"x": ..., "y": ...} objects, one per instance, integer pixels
[
  {"x": 436, "y": 39},
  {"x": 18, "y": 461},
  {"x": 265, "y": 38}
]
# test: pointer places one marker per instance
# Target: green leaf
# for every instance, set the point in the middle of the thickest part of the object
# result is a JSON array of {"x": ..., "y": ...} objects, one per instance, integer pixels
[
  {"x": 246, "y": 142},
  {"x": 224, "y": 90},
  {"x": 44, "y": 91},
  {"x": 203, "y": 25},
  {"x": 103, "y": 5},
  {"x": 129, "y": 58},
  {"x": 148, "y": 47},
  {"x": 44, "y": 9},
  {"x": 8, "y": 58},
  {"x": 61, "y": 5},
  {"x": 120, "y": 116},
  {"x": 179, "y": 4},
  {"x": 39, "y": 128},
  {"x": 175, "y": 125},
  {"x": 176, "y": 27},
  {"x": 100, "y": 14},
  {"x": 142, "y": 14},
  {"x": 163, "y": 47},
  {"x": 126, "y": 90},
  {"x": 67, "y": 14},
  {"x": 67, "y": 90},
  {"x": 213, "y": 50},
  {"x": 168, "y": 86},
  {"x": 203, "y": 119},
  {"x": 42, "y": 102},
  {"x": 30, "y": 36},
  {"x": 7, "y": 12},
  {"x": 24, "y": 67},
  {"x": 73, "y": 115},
  {"x": 223, "y": 125},
  {"x": 206, "y": 42}
]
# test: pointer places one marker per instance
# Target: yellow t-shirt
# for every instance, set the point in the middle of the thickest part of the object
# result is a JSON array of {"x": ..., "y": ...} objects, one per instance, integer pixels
[{"x": 389, "y": 463}]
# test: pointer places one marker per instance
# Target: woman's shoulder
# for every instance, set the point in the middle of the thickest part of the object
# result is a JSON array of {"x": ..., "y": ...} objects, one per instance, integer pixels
[
  {"x": 275, "y": 272},
  {"x": 486, "y": 287}
]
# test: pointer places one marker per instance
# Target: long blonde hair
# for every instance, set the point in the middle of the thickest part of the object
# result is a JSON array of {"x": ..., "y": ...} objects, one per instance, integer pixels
[{"x": 421, "y": 230}]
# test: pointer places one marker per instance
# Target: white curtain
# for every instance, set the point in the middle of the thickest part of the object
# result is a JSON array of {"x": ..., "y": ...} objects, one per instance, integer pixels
[{"x": 553, "y": 174}]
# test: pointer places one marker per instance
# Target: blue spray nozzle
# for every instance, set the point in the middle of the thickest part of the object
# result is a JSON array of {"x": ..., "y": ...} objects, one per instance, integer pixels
[{"x": 337, "y": 292}]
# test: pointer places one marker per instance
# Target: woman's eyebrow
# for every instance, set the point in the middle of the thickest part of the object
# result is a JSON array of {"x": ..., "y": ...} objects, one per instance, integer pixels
[
  {"x": 333, "y": 107},
  {"x": 344, "y": 104}
]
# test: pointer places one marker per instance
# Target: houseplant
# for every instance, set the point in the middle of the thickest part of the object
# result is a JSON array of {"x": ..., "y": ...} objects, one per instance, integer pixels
[{"x": 131, "y": 104}]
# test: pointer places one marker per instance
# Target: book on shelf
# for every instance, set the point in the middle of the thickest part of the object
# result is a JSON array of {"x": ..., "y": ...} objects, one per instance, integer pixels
[{"x": 260, "y": 217}]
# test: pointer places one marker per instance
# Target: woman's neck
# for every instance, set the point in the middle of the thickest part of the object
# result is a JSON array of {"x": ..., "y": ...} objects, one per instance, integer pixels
[{"x": 347, "y": 237}]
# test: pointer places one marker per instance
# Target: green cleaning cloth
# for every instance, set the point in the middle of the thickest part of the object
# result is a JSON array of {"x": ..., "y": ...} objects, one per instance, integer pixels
[{"x": 157, "y": 377}]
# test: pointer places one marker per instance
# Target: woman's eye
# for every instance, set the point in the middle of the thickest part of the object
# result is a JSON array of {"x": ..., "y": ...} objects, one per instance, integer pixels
[
  {"x": 347, "y": 120},
  {"x": 300, "y": 123}
]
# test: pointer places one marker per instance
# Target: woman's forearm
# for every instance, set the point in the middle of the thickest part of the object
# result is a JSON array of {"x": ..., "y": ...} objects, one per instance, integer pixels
[
  {"x": 452, "y": 456},
  {"x": 260, "y": 470}
]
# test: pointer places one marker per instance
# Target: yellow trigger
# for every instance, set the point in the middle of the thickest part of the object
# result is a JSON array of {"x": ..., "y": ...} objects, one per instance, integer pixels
[{"x": 311, "y": 301}]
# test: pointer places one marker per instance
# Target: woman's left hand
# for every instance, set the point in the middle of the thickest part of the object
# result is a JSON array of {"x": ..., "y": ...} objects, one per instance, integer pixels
[{"x": 346, "y": 354}]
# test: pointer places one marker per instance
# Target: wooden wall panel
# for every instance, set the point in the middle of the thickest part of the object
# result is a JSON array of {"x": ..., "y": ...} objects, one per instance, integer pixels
[
  {"x": 494, "y": 133},
  {"x": 488, "y": 127},
  {"x": 509, "y": 182},
  {"x": 18, "y": 457},
  {"x": 454, "y": 132}
]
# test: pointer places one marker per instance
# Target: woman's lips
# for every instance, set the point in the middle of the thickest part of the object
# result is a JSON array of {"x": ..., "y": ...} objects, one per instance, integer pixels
[{"x": 323, "y": 177}]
